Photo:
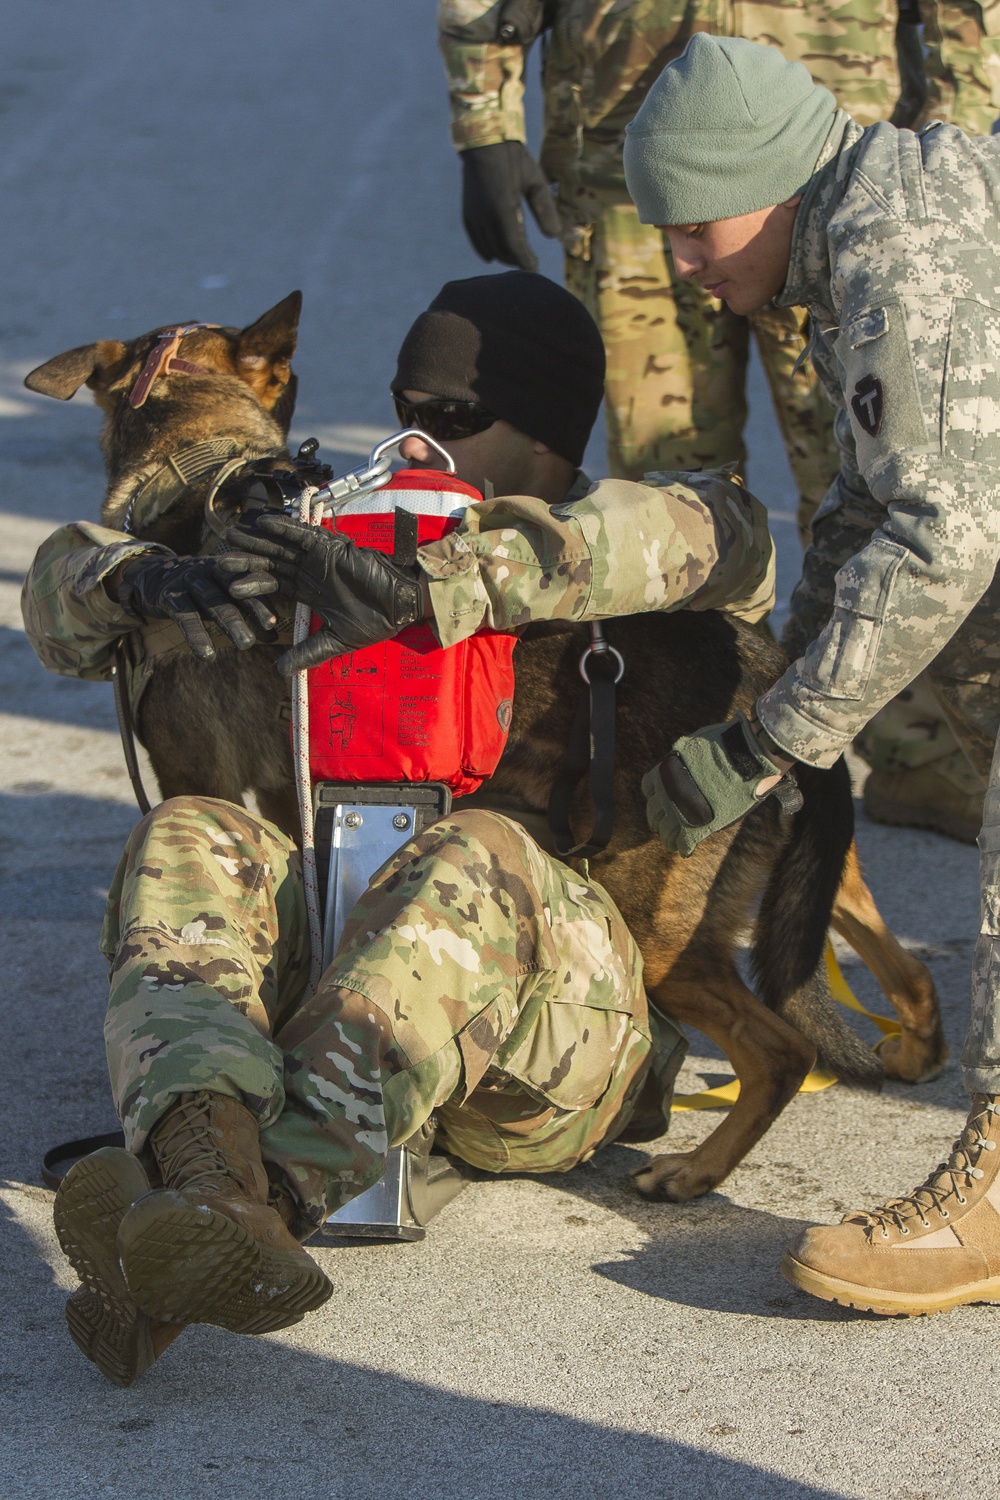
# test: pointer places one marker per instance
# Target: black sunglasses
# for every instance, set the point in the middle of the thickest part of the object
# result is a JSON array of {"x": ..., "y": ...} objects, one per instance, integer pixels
[{"x": 447, "y": 421}]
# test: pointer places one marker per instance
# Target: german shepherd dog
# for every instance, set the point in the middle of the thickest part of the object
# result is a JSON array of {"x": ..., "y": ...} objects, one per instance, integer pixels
[{"x": 220, "y": 729}]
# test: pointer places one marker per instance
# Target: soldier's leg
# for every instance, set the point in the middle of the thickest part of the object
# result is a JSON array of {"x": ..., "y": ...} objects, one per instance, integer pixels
[
  {"x": 674, "y": 391},
  {"x": 804, "y": 413},
  {"x": 192, "y": 930},
  {"x": 930, "y": 749},
  {"x": 966, "y": 679},
  {"x": 207, "y": 939},
  {"x": 981, "y": 1053},
  {"x": 479, "y": 979}
]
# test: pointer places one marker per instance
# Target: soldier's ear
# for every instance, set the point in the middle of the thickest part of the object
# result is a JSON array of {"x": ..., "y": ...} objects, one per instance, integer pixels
[
  {"x": 273, "y": 336},
  {"x": 93, "y": 364}
]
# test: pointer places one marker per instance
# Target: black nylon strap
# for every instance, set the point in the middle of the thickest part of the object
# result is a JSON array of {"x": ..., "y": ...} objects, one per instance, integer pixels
[
  {"x": 591, "y": 743},
  {"x": 126, "y": 729},
  {"x": 58, "y": 1159}
]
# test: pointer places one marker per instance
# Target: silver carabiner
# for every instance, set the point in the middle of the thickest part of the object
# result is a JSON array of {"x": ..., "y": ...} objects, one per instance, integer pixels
[
  {"x": 599, "y": 647},
  {"x": 373, "y": 476}
]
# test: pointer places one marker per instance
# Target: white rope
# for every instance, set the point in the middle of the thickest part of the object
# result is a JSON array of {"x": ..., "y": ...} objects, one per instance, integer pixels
[{"x": 303, "y": 780}]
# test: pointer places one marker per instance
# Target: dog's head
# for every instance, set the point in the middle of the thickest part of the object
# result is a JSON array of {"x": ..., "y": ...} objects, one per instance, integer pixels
[{"x": 259, "y": 356}]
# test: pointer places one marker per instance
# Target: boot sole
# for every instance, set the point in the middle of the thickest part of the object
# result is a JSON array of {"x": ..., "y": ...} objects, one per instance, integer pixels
[
  {"x": 102, "y": 1317},
  {"x": 889, "y": 1304},
  {"x": 187, "y": 1263}
]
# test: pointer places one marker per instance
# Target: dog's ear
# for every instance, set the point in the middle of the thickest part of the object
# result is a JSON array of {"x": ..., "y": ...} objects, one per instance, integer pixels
[
  {"x": 273, "y": 336},
  {"x": 95, "y": 364}
]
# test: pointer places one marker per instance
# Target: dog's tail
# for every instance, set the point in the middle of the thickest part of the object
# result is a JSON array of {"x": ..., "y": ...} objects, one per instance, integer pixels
[{"x": 791, "y": 928}]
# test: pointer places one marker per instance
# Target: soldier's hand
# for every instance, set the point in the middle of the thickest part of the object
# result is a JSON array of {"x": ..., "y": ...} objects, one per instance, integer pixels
[
  {"x": 710, "y": 780},
  {"x": 361, "y": 596},
  {"x": 494, "y": 180},
  {"x": 191, "y": 591}
]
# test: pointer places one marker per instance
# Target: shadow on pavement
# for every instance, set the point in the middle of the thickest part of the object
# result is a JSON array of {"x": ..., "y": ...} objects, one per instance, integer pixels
[
  {"x": 225, "y": 1416},
  {"x": 710, "y": 1253}
]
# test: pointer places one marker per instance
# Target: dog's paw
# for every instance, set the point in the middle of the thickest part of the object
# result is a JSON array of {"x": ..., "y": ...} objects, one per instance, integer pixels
[
  {"x": 912, "y": 1058},
  {"x": 673, "y": 1179}
]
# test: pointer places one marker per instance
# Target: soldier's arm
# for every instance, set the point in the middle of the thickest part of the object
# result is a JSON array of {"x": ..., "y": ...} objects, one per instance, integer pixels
[
  {"x": 962, "y": 65},
  {"x": 842, "y": 525},
  {"x": 928, "y": 448},
  {"x": 695, "y": 541},
  {"x": 70, "y": 618},
  {"x": 485, "y": 78}
]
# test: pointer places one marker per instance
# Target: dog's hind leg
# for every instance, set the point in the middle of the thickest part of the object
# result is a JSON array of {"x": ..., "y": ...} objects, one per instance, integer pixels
[
  {"x": 919, "y": 1052},
  {"x": 770, "y": 1060}
]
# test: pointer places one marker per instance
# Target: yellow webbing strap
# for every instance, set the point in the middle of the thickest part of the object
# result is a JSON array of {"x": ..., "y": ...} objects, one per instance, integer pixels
[{"x": 727, "y": 1094}]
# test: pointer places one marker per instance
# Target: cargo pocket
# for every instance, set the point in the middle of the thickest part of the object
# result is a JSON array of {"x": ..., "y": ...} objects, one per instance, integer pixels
[
  {"x": 570, "y": 1054},
  {"x": 840, "y": 664}
]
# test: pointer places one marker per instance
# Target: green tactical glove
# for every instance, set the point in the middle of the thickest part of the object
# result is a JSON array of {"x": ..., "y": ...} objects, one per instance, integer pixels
[{"x": 708, "y": 781}]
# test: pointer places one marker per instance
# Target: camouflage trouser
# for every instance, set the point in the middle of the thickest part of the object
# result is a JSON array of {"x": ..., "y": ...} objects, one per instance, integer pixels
[
  {"x": 477, "y": 978},
  {"x": 675, "y": 394},
  {"x": 965, "y": 677},
  {"x": 962, "y": 683}
]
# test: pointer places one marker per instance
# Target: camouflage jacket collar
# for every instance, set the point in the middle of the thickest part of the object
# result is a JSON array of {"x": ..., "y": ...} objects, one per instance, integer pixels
[{"x": 808, "y": 281}]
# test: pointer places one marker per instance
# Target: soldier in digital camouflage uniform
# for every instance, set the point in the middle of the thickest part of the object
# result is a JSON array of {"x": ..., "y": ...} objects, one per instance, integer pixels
[
  {"x": 677, "y": 357},
  {"x": 478, "y": 978},
  {"x": 892, "y": 240}
]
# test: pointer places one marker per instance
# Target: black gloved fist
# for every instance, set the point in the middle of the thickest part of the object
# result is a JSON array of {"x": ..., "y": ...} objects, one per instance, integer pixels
[
  {"x": 362, "y": 596},
  {"x": 494, "y": 180},
  {"x": 192, "y": 590}
]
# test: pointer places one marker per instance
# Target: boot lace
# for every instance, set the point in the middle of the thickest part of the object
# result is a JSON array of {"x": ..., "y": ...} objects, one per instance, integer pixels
[
  {"x": 947, "y": 1182},
  {"x": 185, "y": 1147}
]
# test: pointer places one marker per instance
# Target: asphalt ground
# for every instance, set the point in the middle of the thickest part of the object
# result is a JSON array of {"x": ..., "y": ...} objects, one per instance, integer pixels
[{"x": 551, "y": 1337}]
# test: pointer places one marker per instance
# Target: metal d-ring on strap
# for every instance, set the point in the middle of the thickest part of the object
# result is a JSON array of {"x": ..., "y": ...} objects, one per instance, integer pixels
[{"x": 591, "y": 745}]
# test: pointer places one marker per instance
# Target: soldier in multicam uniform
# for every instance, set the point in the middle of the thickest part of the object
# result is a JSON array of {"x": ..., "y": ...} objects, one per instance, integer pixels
[
  {"x": 479, "y": 977},
  {"x": 892, "y": 240},
  {"x": 677, "y": 357}
]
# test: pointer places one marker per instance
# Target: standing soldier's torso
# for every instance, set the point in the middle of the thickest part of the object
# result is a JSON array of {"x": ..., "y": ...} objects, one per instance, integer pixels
[{"x": 602, "y": 56}]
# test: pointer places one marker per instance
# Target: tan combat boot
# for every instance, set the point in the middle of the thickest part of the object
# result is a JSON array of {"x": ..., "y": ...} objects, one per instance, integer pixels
[
  {"x": 944, "y": 795},
  {"x": 103, "y": 1319},
  {"x": 208, "y": 1248},
  {"x": 936, "y": 1249}
]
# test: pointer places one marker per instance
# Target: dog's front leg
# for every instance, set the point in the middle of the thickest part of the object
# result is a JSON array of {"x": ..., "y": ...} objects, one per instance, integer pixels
[{"x": 770, "y": 1060}]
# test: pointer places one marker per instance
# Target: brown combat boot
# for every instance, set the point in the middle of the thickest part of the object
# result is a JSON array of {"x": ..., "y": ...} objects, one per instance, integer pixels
[
  {"x": 103, "y": 1319},
  {"x": 936, "y": 1249},
  {"x": 944, "y": 795},
  {"x": 208, "y": 1248}
]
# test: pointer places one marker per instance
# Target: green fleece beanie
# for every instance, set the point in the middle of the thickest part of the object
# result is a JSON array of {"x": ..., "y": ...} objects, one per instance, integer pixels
[{"x": 728, "y": 128}]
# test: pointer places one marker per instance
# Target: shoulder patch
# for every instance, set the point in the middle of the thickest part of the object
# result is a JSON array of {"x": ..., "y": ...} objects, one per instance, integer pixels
[{"x": 868, "y": 404}]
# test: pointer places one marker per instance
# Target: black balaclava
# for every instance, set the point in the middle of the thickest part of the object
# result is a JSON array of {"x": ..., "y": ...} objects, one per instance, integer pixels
[{"x": 519, "y": 345}]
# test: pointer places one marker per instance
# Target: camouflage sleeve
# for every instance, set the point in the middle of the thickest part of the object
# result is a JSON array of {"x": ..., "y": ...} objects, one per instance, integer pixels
[
  {"x": 696, "y": 541},
  {"x": 842, "y": 525},
  {"x": 927, "y": 443},
  {"x": 69, "y": 618},
  {"x": 962, "y": 64},
  {"x": 485, "y": 78}
]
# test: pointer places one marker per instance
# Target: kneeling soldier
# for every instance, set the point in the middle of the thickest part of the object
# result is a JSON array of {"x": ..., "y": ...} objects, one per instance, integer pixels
[{"x": 478, "y": 978}]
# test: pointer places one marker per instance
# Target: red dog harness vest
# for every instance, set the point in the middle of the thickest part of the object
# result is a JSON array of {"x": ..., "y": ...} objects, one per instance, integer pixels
[{"x": 409, "y": 709}]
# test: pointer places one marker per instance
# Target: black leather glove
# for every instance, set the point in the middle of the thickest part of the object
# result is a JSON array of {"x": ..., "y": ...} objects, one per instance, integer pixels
[
  {"x": 191, "y": 590},
  {"x": 362, "y": 596},
  {"x": 494, "y": 180}
]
